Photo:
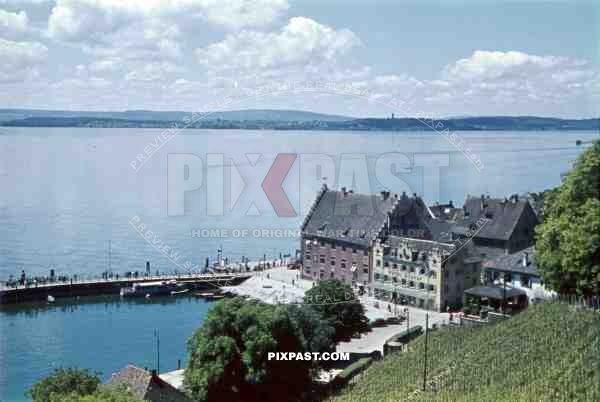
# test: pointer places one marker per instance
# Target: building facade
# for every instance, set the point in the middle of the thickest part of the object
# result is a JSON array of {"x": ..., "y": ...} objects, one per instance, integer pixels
[
  {"x": 519, "y": 271},
  {"x": 423, "y": 273},
  {"x": 338, "y": 233}
]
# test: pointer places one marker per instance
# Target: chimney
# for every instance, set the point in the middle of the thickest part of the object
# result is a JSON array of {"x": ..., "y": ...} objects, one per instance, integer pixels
[
  {"x": 450, "y": 204},
  {"x": 525, "y": 259}
]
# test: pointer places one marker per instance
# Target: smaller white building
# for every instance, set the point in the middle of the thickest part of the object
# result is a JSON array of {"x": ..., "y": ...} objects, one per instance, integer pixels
[{"x": 520, "y": 272}]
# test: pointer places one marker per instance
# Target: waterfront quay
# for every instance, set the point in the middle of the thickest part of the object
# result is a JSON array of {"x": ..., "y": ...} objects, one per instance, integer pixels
[{"x": 100, "y": 286}]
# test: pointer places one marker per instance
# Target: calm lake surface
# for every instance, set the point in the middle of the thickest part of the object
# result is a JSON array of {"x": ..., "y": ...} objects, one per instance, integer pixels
[
  {"x": 68, "y": 196},
  {"x": 102, "y": 334}
]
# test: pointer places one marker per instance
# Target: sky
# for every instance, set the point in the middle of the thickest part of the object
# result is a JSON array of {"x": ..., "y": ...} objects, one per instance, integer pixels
[{"x": 437, "y": 58}]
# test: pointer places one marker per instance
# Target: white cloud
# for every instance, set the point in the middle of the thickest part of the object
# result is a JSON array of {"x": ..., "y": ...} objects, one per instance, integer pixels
[
  {"x": 517, "y": 78},
  {"x": 301, "y": 42},
  {"x": 89, "y": 19},
  {"x": 13, "y": 24},
  {"x": 20, "y": 60}
]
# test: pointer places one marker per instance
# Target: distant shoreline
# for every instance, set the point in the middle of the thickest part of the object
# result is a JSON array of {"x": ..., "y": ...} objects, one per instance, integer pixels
[{"x": 371, "y": 124}]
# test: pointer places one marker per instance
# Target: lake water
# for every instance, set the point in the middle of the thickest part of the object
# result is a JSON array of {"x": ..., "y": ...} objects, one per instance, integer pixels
[
  {"x": 102, "y": 334},
  {"x": 69, "y": 197}
]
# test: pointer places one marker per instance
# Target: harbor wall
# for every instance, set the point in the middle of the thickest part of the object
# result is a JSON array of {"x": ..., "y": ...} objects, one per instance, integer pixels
[{"x": 59, "y": 290}]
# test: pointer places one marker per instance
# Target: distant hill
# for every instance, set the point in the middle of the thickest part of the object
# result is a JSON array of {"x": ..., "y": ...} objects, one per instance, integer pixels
[
  {"x": 147, "y": 115},
  {"x": 551, "y": 352},
  {"x": 283, "y": 120}
]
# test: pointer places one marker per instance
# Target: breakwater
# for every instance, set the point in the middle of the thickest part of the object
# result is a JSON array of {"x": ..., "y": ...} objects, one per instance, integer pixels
[{"x": 113, "y": 286}]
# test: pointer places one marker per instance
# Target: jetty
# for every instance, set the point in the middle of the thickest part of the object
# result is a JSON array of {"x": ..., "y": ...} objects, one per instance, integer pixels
[{"x": 101, "y": 286}]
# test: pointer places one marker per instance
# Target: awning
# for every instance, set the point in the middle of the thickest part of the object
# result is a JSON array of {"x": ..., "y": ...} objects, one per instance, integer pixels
[{"x": 495, "y": 292}]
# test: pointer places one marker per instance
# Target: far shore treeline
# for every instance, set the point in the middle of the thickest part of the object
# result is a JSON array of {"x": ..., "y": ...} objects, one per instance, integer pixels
[{"x": 286, "y": 120}]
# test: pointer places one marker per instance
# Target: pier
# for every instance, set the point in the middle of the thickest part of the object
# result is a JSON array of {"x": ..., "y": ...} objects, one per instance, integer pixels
[{"x": 93, "y": 287}]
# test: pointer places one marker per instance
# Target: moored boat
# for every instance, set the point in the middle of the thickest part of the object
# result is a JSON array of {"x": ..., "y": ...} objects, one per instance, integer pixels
[{"x": 148, "y": 289}]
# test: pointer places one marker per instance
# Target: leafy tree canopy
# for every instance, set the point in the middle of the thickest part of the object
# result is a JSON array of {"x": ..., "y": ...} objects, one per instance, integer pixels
[
  {"x": 336, "y": 303},
  {"x": 229, "y": 353},
  {"x": 102, "y": 394},
  {"x": 568, "y": 242},
  {"x": 64, "y": 381}
]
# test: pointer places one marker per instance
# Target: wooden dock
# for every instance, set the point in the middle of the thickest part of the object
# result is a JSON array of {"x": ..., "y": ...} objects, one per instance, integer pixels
[{"x": 200, "y": 282}]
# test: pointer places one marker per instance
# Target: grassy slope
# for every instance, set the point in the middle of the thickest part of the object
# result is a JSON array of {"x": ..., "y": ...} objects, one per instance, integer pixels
[{"x": 550, "y": 352}]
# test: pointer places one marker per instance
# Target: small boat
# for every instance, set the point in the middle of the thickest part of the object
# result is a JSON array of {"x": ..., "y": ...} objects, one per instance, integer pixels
[
  {"x": 51, "y": 299},
  {"x": 147, "y": 289},
  {"x": 205, "y": 294},
  {"x": 179, "y": 292}
]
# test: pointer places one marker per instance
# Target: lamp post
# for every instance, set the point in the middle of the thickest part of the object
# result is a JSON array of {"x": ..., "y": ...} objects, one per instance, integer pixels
[
  {"x": 426, "y": 333},
  {"x": 504, "y": 294}
]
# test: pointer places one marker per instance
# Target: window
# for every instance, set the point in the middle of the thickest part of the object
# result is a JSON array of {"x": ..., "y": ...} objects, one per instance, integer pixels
[
  {"x": 331, "y": 275},
  {"x": 343, "y": 248},
  {"x": 365, "y": 270},
  {"x": 332, "y": 262},
  {"x": 404, "y": 267},
  {"x": 394, "y": 279},
  {"x": 333, "y": 246},
  {"x": 386, "y": 264},
  {"x": 431, "y": 288},
  {"x": 378, "y": 263},
  {"x": 395, "y": 266},
  {"x": 411, "y": 284},
  {"x": 412, "y": 269},
  {"x": 525, "y": 281},
  {"x": 376, "y": 277},
  {"x": 403, "y": 282},
  {"x": 322, "y": 259},
  {"x": 354, "y": 250},
  {"x": 421, "y": 285},
  {"x": 415, "y": 255},
  {"x": 386, "y": 278},
  {"x": 321, "y": 243},
  {"x": 343, "y": 264},
  {"x": 422, "y": 271}
]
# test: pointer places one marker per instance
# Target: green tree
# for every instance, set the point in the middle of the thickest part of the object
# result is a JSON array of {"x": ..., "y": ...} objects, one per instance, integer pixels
[
  {"x": 64, "y": 381},
  {"x": 228, "y": 355},
  {"x": 568, "y": 242},
  {"x": 337, "y": 304},
  {"x": 102, "y": 394}
]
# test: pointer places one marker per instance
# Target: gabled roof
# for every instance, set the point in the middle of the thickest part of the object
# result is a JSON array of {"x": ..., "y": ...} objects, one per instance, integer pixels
[
  {"x": 500, "y": 215},
  {"x": 515, "y": 263},
  {"x": 351, "y": 217},
  {"x": 445, "y": 212},
  {"x": 146, "y": 385}
]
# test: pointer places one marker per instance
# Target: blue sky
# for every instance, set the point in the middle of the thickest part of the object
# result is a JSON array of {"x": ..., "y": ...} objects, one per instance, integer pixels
[{"x": 444, "y": 58}]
